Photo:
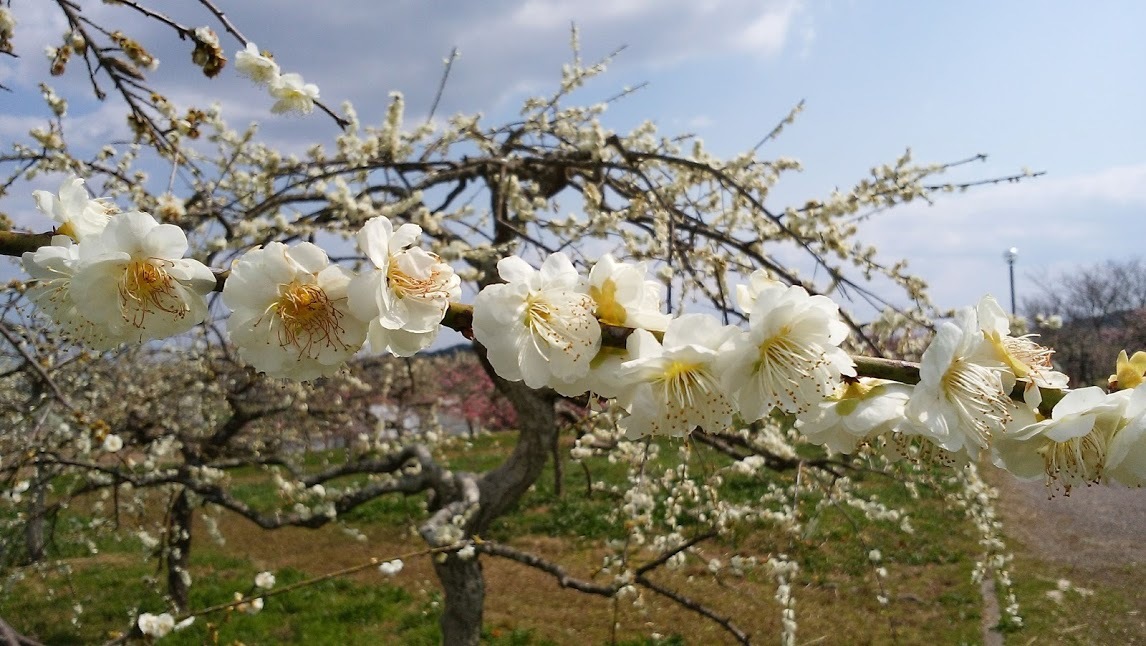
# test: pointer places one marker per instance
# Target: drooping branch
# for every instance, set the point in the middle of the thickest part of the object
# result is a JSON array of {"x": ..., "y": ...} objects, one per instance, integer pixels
[
  {"x": 565, "y": 580},
  {"x": 697, "y": 607}
]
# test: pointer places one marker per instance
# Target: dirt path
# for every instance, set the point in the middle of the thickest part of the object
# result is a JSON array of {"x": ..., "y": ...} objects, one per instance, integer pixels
[
  {"x": 1097, "y": 535},
  {"x": 1094, "y": 527}
]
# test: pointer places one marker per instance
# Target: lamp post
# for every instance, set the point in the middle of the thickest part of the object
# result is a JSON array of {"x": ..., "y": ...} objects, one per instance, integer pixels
[{"x": 1010, "y": 255}]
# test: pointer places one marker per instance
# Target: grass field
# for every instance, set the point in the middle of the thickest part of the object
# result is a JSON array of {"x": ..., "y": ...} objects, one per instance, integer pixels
[{"x": 931, "y": 598}]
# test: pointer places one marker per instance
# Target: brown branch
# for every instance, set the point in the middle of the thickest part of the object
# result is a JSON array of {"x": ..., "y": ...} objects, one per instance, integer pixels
[
  {"x": 12, "y": 638},
  {"x": 697, "y": 607},
  {"x": 558, "y": 572}
]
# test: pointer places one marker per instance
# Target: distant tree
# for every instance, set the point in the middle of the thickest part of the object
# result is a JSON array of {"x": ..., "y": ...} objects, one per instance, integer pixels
[
  {"x": 1088, "y": 315},
  {"x": 466, "y": 392}
]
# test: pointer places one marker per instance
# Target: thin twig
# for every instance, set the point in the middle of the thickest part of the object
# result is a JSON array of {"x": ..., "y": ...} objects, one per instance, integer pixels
[{"x": 442, "y": 83}]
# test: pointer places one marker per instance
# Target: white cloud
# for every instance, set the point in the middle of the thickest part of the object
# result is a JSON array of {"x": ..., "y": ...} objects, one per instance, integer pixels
[{"x": 1057, "y": 223}]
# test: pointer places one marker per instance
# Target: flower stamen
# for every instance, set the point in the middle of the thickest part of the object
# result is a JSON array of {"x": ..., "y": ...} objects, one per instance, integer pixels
[
  {"x": 307, "y": 315},
  {"x": 147, "y": 287}
]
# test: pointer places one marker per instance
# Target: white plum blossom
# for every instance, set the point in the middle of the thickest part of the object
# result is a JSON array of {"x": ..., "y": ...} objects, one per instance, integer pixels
[
  {"x": 265, "y": 580},
  {"x": 538, "y": 326},
  {"x": 78, "y": 215},
  {"x": 790, "y": 357},
  {"x": 391, "y": 568},
  {"x": 52, "y": 268},
  {"x": 156, "y": 625},
  {"x": 1026, "y": 360},
  {"x": 207, "y": 36},
  {"x": 858, "y": 410},
  {"x": 758, "y": 281},
  {"x": 293, "y": 94},
  {"x": 1072, "y": 447},
  {"x": 7, "y": 23},
  {"x": 253, "y": 64},
  {"x": 960, "y": 401},
  {"x": 133, "y": 283},
  {"x": 1126, "y": 453},
  {"x": 252, "y": 607},
  {"x": 624, "y": 297},
  {"x": 112, "y": 443},
  {"x": 407, "y": 294},
  {"x": 675, "y": 386},
  {"x": 290, "y": 314}
]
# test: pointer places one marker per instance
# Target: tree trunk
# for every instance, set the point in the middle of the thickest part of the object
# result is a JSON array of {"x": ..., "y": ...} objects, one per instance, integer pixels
[
  {"x": 500, "y": 490},
  {"x": 464, "y": 588},
  {"x": 34, "y": 534},
  {"x": 558, "y": 468},
  {"x": 178, "y": 550}
]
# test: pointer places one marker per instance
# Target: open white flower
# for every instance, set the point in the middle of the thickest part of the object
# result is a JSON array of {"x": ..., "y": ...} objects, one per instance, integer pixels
[
  {"x": 758, "y": 283},
  {"x": 857, "y": 411},
  {"x": 538, "y": 326},
  {"x": 79, "y": 215},
  {"x": 407, "y": 295},
  {"x": 265, "y": 580},
  {"x": 112, "y": 443},
  {"x": 1126, "y": 453},
  {"x": 1070, "y": 448},
  {"x": 156, "y": 625},
  {"x": 391, "y": 568},
  {"x": 1028, "y": 361},
  {"x": 624, "y": 297},
  {"x": 290, "y": 314},
  {"x": 790, "y": 358},
  {"x": 133, "y": 282},
  {"x": 52, "y": 268},
  {"x": 960, "y": 401},
  {"x": 675, "y": 384},
  {"x": 293, "y": 94},
  {"x": 255, "y": 65}
]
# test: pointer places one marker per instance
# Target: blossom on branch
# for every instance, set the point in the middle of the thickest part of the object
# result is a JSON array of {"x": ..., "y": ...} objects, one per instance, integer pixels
[
  {"x": 856, "y": 411},
  {"x": 538, "y": 327},
  {"x": 77, "y": 213},
  {"x": 961, "y": 400},
  {"x": 675, "y": 385},
  {"x": 259, "y": 67},
  {"x": 290, "y": 314},
  {"x": 52, "y": 268},
  {"x": 790, "y": 357},
  {"x": 1070, "y": 448},
  {"x": 156, "y": 625},
  {"x": 1026, "y": 360},
  {"x": 293, "y": 94},
  {"x": 1126, "y": 454},
  {"x": 133, "y": 283},
  {"x": 407, "y": 294},
  {"x": 624, "y": 297}
]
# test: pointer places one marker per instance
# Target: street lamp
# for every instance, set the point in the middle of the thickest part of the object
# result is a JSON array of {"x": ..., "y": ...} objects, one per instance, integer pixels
[{"x": 1010, "y": 255}]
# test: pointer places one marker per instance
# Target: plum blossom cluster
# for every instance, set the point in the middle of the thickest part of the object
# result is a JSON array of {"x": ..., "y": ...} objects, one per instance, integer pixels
[
  {"x": 111, "y": 278},
  {"x": 980, "y": 389},
  {"x": 116, "y": 279},
  {"x": 290, "y": 92}
]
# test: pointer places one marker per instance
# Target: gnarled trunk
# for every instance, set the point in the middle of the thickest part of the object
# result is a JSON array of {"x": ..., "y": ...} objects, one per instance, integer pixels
[
  {"x": 500, "y": 490},
  {"x": 178, "y": 550}
]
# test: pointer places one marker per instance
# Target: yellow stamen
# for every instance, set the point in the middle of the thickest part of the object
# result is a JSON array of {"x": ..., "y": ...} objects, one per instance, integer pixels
[
  {"x": 147, "y": 287},
  {"x": 307, "y": 315},
  {"x": 609, "y": 311}
]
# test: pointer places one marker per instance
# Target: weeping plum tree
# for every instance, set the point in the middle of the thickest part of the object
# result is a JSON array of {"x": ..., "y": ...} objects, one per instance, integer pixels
[{"x": 244, "y": 256}]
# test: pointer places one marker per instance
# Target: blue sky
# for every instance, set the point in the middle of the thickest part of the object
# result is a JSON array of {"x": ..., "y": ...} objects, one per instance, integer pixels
[{"x": 1052, "y": 86}]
